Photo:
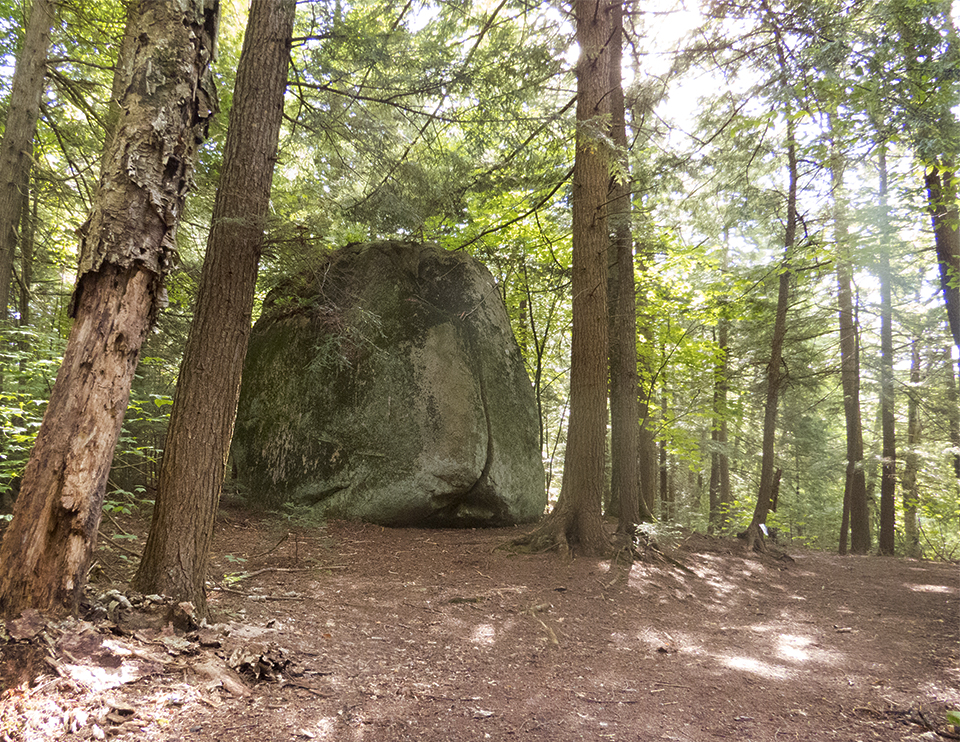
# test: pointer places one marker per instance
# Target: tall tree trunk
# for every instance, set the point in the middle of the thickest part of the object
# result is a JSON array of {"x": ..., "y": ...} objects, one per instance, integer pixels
[
  {"x": 754, "y": 536},
  {"x": 624, "y": 383},
  {"x": 16, "y": 148},
  {"x": 575, "y": 524},
  {"x": 941, "y": 182},
  {"x": 855, "y": 512},
  {"x": 205, "y": 408},
  {"x": 126, "y": 249},
  {"x": 910, "y": 491},
  {"x": 888, "y": 457}
]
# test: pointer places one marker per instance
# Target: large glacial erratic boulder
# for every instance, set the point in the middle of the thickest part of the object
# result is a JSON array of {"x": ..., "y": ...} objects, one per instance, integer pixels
[{"x": 386, "y": 386}]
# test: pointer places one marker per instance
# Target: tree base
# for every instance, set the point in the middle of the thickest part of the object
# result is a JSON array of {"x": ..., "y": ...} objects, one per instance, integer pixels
[{"x": 568, "y": 535}]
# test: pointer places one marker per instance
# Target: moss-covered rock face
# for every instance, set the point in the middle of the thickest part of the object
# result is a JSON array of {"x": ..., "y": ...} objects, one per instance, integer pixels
[{"x": 387, "y": 386}]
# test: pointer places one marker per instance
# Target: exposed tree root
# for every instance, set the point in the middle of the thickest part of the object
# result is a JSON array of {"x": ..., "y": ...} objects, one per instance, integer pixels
[{"x": 565, "y": 534}]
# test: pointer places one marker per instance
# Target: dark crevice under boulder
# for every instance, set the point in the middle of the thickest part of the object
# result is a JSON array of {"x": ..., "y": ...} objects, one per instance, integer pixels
[{"x": 386, "y": 385}]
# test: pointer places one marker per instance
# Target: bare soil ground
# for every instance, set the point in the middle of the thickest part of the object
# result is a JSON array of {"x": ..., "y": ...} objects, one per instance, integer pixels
[{"x": 354, "y": 632}]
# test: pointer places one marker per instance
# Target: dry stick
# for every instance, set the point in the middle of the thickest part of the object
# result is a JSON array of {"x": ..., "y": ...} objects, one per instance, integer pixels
[
  {"x": 247, "y": 575},
  {"x": 268, "y": 551},
  {"x": 308, "y": 689},
  {"x": 124, "y": 549},
  {"x": 117, "y": 525},
  {"x": 553, "y": 637}
]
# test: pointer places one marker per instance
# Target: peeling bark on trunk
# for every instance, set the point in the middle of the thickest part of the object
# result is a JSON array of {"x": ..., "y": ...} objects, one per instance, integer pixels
[
  {"x": 127, "y": 247},
  {"x": 16, "y": 149},
  {"x": 204, "y": 411},
  {"x": 575, "y": 523}
]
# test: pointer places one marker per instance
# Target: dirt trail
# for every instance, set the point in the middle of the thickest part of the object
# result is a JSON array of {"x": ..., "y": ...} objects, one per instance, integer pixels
[{"x": 364, "y": 633}]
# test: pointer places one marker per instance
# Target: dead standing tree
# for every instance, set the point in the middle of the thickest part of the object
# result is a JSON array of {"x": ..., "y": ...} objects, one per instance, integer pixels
[{"x": 166, "y": 99}]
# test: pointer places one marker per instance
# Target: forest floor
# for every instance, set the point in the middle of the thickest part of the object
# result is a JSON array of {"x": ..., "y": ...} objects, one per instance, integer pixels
[{"x": 348, "y": 631}]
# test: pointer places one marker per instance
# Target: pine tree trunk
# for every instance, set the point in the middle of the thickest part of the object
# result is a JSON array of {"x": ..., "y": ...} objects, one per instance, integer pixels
[
  {"x": 666, "y": 486},
  {"x": 16, "y": 148},
  {"x": 126, "y": 248},
  {"x": 575, "y": 524},
  {"x": 910, "y": 491},
  {"x": 624, "y": 384},
  {"x": 204, "y": 411},
  {"x": 855, "y": 512},
  {"x": 647, "y": 454},
  {"x": 888, "y": 465},
  {"x": 953, "y": 410},
  {"x": 719, "y": 460},
  {"x": 754, "y": 538},
  {"x": 941, "y": 185}
]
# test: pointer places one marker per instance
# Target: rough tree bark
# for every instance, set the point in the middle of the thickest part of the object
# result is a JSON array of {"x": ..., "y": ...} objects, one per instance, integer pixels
[
  {"x": 754, "y": 536},
  {"x": 575, "y": 523},
  {"x": 204, "y": 411},
  {"x": 16, "y": 148},
  {"x": 126, "y": 249}
]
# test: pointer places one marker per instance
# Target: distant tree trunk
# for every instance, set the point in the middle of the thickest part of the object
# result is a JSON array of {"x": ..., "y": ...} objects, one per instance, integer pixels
[
  {"x": 754, "y": 536},
  {"x": 204, "y": 411},
  {"x": 888, "y": 458},
  {"x": 28, "y": 233},
  {"x": 719, "y": 460},
  {"x": 941, "y": 184},
  {"x": 575, "y": 524},
  {"x": 953, "y": 410},
  {"x": 127, "y": 247},
  {"x": 855, "y": 513},
  {"x": 624, "y": 384},
  {"x": 666, "y": 485},
  {"x": 910, "y": 491},
  {"x": 647, "y": 453},
  {"x": 16, "y": 148}
]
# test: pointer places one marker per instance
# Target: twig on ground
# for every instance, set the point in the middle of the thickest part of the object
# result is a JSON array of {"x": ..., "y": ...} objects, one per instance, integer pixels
[
  {"x": 248, "y": 575},
  {"x": 114, "y": 545},
  {"x": 274, "y": 548}
]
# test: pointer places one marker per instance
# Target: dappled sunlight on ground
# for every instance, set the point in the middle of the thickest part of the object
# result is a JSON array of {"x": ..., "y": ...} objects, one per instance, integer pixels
[
  {"x": 751, "y": 665},
  {"x": 431, "y": 636},
  {"x": 932, "y": 589}
]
